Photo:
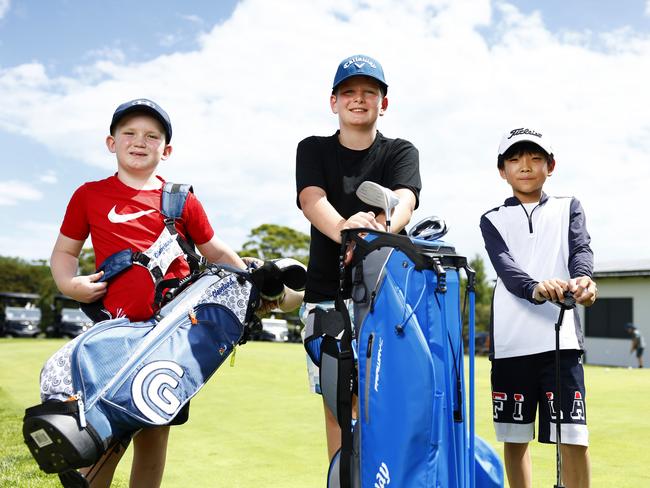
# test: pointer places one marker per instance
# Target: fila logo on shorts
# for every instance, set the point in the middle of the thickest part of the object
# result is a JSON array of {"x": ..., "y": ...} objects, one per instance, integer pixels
[
  {"x": 498, "y": 399},
  {"x": 578, "y": 407},
  {"x": 551, "y": 405},
  {"x": 519, "y": 403}
]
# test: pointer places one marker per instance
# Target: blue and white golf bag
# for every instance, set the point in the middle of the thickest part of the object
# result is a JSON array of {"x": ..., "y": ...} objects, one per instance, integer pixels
[
  {"x": 402, "y": 357},
  {"x": 120, "y": 377}
]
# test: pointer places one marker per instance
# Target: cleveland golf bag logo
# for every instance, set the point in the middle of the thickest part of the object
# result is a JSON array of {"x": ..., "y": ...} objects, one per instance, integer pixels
[
  {"x": 382, "y": 476},
  {"x": 153, "y": 386}
]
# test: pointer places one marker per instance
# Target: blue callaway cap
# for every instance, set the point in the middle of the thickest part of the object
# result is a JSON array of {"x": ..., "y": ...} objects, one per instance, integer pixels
[
  {"x": 143, "y": 105},
  {"x": 360, "y": 65}
]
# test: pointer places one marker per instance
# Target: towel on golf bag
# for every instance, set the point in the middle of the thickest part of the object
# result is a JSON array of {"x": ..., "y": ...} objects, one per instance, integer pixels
[
  {"x": 119, "y": 376},
  {"x": 412, "y": 427}
]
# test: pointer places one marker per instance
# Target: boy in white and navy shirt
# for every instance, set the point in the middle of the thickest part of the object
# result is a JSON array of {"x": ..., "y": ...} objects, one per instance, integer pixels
[{"x": 539, "y": 247}]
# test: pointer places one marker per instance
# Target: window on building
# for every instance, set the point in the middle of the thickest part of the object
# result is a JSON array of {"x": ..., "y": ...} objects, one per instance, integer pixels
[{"x": 607, "y": 317}]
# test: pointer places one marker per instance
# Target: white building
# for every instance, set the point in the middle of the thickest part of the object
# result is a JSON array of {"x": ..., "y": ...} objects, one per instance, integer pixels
[{"x": 623, "y": 297}]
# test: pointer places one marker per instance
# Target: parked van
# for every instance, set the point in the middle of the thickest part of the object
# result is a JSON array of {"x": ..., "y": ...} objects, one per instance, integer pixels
[
  {"x": 69, "y": 319},
  {"x": 275, "y": 330},
  {"x": 19, "y": 314}
]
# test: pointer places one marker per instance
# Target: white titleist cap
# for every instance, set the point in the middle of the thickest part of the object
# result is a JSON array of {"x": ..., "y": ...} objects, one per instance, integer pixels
[{"x": 520, "y": 134}]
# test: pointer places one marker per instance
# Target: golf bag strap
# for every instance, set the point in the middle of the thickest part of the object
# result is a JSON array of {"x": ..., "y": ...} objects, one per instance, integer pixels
[
  {"x": 53, "y": 407},
  {"x": 172, "y": 203},
  {"x": 173, "y": 199},
  {"x": 322, "y": 324},
  {"x": 345, "y": 384},
  {"x": 364, "y": 247},
  {"x": 423, "y": 257}
]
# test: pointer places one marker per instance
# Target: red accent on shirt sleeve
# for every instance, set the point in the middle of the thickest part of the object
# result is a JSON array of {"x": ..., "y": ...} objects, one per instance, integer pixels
[{"x": 75, "y": 223}]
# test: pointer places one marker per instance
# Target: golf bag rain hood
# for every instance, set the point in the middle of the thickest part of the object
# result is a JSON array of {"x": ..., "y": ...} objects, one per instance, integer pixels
[
  {"x": 412, "y": 423},
  {"x": 120, "y": 376}
]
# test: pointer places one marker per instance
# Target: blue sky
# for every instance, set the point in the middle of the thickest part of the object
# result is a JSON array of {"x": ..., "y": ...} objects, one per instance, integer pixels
[{"x": 244, "y": 82}]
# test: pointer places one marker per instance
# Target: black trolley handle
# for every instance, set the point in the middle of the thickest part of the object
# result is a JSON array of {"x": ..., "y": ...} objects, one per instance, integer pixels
[{"x": 567, "y": 303}]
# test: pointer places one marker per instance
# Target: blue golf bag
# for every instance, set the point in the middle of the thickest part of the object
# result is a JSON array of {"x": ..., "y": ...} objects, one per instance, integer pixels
[
  {"x": 120, "y": 377},
  {"x": 402, "y": 358}
]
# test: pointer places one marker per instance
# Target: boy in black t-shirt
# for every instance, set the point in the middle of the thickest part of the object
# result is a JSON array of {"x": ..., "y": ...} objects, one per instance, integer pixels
[{"x": 328, "y": 173}]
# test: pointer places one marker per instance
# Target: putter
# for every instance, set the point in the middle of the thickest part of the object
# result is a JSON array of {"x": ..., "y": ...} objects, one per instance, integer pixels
[
  {"x": 429, "y": 229},
  {"x": 378, "y": 196},
  {"x": 567, "y": 304}
]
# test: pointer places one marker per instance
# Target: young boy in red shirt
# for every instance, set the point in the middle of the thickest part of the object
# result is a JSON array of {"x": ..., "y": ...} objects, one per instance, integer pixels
[{"x": 123, "y": 212}]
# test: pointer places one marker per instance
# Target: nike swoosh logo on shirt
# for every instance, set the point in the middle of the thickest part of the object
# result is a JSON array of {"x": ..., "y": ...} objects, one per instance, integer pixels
[{"x": 116, "y": 218}]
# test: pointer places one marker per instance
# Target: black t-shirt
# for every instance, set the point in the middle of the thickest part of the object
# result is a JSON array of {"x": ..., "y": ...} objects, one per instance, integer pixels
[{"x": 325, "y": 163}]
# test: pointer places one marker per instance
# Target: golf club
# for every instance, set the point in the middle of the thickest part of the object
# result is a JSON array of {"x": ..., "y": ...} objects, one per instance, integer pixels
[
  {"x": 567, "y": 303},
  {"x": 378, "y": 196},
  {"x": 430, "y": 229}
]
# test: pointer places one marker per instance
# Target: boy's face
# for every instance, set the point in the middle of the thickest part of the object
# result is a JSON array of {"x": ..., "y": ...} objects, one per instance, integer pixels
[
  {"x": 526, "y": 174},
  {"x": 358, "y": 102},
  {"x": 138, "y": 143}
]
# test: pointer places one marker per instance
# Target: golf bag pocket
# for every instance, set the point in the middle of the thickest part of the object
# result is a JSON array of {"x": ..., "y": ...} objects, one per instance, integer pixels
[
  {"x": 400, "y": 403},
  {"x": 322, "y": 324},
  {"x": 155, "y": 390}
]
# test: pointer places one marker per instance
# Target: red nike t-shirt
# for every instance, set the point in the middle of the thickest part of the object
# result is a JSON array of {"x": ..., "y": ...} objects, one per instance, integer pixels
[{"x": 118, "y": 217}]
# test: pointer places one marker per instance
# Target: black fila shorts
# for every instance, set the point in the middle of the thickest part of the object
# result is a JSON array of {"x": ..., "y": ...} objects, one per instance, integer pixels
[{"x": 522, "y": 385}]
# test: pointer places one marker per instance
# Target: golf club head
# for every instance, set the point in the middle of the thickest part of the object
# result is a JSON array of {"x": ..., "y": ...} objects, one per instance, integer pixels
[
  {"x": 429, "y": 229},
  {"x": 378, "y": 196}
]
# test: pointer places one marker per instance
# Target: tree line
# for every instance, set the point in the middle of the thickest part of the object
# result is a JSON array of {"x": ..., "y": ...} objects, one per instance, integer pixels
[{"x": 267, "y": 241}]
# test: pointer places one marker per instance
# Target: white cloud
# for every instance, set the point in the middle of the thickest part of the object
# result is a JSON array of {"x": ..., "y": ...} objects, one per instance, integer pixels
[
  {"x": 169, "y": 39},
  {"x": 49, "y": 177},
  {"x": 260, "y": 81},
  {"x": 12, "y": 192},
  {"x": 4, "y": 7},
  {"x": 647, "y": 7},
  {"x": 195, "y": 19},
  {"x": 113, "y": 54}
]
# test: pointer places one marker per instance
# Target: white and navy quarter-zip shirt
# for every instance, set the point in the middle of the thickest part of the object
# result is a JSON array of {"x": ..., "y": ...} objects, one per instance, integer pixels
[{"x": 529, "y": 243}]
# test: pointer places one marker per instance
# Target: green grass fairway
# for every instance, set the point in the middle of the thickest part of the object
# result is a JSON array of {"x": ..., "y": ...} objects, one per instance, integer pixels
[{"x": 255, "y": 425}]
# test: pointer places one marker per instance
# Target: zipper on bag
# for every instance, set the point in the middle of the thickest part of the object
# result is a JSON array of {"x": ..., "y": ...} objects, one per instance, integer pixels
[{"x": 366, "y": 399}]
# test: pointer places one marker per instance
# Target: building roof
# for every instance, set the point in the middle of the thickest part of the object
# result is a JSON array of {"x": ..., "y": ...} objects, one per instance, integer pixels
[{"x": 617, "y": 269}]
